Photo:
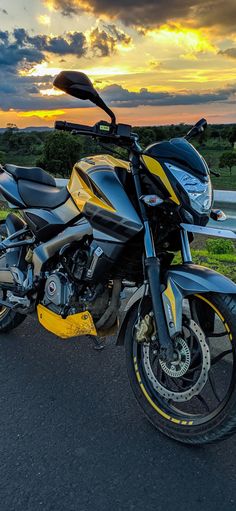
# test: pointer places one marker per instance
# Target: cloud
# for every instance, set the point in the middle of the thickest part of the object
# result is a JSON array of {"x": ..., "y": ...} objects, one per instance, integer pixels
[
  {"x": 19, "y": 50},
  {"x": 117, "y": 96},
  {"x": 73, "y": 43},
  {"x": 155, "y": 12},
  {"x": 229, "y": 52},
  {"x": 24, "y": 95},
  {"x": 105, "y": 41},
  {"x": 14, "y": 50}
]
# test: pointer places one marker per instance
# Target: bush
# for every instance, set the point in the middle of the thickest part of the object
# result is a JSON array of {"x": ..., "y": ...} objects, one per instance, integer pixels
[{"x": 220, "y": 246}]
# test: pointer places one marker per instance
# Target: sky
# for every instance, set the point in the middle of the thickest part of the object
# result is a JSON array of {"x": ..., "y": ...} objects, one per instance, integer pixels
[{"x": 153, "y": 61}]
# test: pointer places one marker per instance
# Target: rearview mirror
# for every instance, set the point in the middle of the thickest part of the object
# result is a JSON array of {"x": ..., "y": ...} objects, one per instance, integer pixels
[
  {"x": 198, "y": 128},
  {"x": 78, "y": 84},
  {"x": 201, "y": 125}
]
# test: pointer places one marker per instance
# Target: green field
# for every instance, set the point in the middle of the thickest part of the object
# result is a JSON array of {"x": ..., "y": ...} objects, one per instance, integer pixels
[
  {"x": 212, "y": 156},
  {"x": 222, "y": 263},
  {"x": 58, "y": 151}
]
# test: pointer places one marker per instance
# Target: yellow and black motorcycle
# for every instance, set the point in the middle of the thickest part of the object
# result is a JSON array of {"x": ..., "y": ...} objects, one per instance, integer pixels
[{"x": 70, "y": 252}]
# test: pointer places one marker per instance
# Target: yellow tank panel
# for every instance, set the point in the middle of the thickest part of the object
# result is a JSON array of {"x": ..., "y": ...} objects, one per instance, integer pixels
[
  {"x": 102, "y": 159},
  {"x": 78, "y": 187}
]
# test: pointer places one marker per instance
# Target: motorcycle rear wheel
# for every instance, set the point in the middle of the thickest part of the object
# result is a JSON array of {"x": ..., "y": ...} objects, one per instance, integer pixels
[
  {"x": 164, "y": 393},
  {"x": 9, "y": 318}
]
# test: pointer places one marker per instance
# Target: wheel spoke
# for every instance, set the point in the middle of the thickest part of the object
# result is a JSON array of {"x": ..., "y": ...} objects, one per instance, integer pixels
[
  {"x": 213, "y": 387},
  {"x": 219, "y": 357},
  {"x": 203, "y": 402},
  {"x": 184, "y": 378},
  {"x": 211, "y": 335},
  {"x": 195, "y": 368}
]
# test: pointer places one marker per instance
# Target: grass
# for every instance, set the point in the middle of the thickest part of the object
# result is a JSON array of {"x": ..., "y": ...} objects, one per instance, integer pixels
[
  {"x": 212, "y": 156},
  {"x": 3, "y": 213},
  {"x": 225, "y": 181},
  {"x": 222, "y": 263}
]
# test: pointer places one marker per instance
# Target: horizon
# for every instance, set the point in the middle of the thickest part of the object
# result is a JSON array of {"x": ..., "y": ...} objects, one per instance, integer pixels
[
  {"x": 154, "y": 64},
  {"x": 47, "y": 127}
]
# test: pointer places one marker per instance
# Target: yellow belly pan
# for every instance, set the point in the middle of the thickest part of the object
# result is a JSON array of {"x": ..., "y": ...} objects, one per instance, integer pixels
[{"x": 72, "y": 326}]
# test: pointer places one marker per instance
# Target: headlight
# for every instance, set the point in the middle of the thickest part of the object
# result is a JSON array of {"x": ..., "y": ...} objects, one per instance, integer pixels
[{"x": 200, "y": 194}]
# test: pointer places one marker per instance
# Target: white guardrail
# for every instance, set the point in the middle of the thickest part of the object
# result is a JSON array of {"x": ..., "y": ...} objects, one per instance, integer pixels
[{"x": 224, "y": 199}]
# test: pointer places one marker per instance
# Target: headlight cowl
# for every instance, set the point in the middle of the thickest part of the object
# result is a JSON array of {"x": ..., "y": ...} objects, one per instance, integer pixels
[{"x": 199, "y": 192}]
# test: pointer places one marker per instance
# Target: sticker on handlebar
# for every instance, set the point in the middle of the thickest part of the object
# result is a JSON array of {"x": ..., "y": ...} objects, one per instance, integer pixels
[{"x": 104, "y": 128}]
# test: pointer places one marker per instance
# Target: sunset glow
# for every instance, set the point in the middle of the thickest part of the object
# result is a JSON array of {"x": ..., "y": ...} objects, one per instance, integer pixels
[
  {"x": 178, "y": 59},
  {"x": 42, "y": 114}
]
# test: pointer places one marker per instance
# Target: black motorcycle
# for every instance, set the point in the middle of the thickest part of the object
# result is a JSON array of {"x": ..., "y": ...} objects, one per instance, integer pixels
[{"x": 70, "y": 252}]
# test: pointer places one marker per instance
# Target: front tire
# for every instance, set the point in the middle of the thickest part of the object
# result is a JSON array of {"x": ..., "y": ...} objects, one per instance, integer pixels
[{"x": 198, "y": 420}]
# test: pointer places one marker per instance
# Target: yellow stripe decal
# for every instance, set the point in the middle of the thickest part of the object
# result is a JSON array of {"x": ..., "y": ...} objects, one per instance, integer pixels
[
  {"x": 171, "y": 297},
  {"x": 155, "y": 168},
  {"x": 211, "y": 305},
  {"x": 163, "y": 414}
]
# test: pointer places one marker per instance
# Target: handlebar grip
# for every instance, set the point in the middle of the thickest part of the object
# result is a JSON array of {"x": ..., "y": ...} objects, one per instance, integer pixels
[
  {"x": 70, "y": 126},
  {"x": 59, "y": 125}
]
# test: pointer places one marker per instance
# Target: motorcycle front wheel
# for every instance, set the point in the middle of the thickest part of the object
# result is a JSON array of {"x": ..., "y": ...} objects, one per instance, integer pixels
[{"x": 193, "y": 399}]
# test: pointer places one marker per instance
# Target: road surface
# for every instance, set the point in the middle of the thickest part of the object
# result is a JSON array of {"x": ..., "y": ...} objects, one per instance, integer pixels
[{"x": 72, "y": 437}]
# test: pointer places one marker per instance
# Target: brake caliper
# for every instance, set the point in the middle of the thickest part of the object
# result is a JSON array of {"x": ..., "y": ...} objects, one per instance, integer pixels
[{"x": 145, "y": 329}]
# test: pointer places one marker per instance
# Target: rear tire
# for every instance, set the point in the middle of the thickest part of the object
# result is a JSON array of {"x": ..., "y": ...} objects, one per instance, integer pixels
[
  {"x": 215, "y": 426},
  {"x": 10, "y": 320}
]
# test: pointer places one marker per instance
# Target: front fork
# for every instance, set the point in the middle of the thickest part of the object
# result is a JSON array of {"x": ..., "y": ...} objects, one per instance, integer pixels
[{"x": 152, "y": 264}]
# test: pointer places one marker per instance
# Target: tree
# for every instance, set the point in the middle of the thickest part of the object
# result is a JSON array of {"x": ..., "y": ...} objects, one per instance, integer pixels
[
  {"x": 228, "y": 159},
  {"x": 61, "y": 151},
  {"x": 232, "y": 135},
  {"x": 12, "y": 126},
  {"x": 2, "y": 157}
]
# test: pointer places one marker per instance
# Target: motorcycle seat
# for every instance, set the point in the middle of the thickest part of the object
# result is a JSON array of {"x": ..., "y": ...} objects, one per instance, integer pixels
[
  {"x": 39, "y": 195},
  {"x": 35, "y": 174}
]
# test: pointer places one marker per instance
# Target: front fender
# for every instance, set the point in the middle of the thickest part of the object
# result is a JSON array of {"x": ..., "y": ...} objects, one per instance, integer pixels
[
  {"x": 191, "y": 279},
  {"x": 183, "y": 280}
]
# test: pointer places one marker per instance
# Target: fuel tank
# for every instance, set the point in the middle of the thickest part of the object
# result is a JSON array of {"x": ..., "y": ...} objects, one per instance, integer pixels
[
  {"x": 99, "y": 187},
  {"x": 46, "y": 224}
]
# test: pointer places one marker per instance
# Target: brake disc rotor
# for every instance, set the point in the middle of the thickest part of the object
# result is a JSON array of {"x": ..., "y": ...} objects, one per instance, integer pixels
[{"x": 180, "y": 366}]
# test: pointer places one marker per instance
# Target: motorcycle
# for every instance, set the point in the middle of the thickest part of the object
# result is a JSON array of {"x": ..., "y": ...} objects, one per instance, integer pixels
[{"x": 69, "y": 253}]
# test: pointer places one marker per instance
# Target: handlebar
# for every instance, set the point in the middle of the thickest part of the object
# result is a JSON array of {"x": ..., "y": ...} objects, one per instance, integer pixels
[
  {"x": 112, "y": 133},
  {"x": 70, "y": 126}
]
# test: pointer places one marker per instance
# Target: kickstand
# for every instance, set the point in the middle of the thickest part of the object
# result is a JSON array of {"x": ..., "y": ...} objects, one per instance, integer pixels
[{"x": 98, "y": 346}]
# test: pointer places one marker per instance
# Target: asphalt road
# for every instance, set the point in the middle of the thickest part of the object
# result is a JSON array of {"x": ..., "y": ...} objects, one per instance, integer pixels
[{"x": 73, "y": 438}]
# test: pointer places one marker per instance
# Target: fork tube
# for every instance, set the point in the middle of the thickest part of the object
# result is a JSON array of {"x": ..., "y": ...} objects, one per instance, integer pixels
[
  {"x": 148, "y": 238},
  {"x": 152, "y": 263},
  {"x": 185, "y": 247}
]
